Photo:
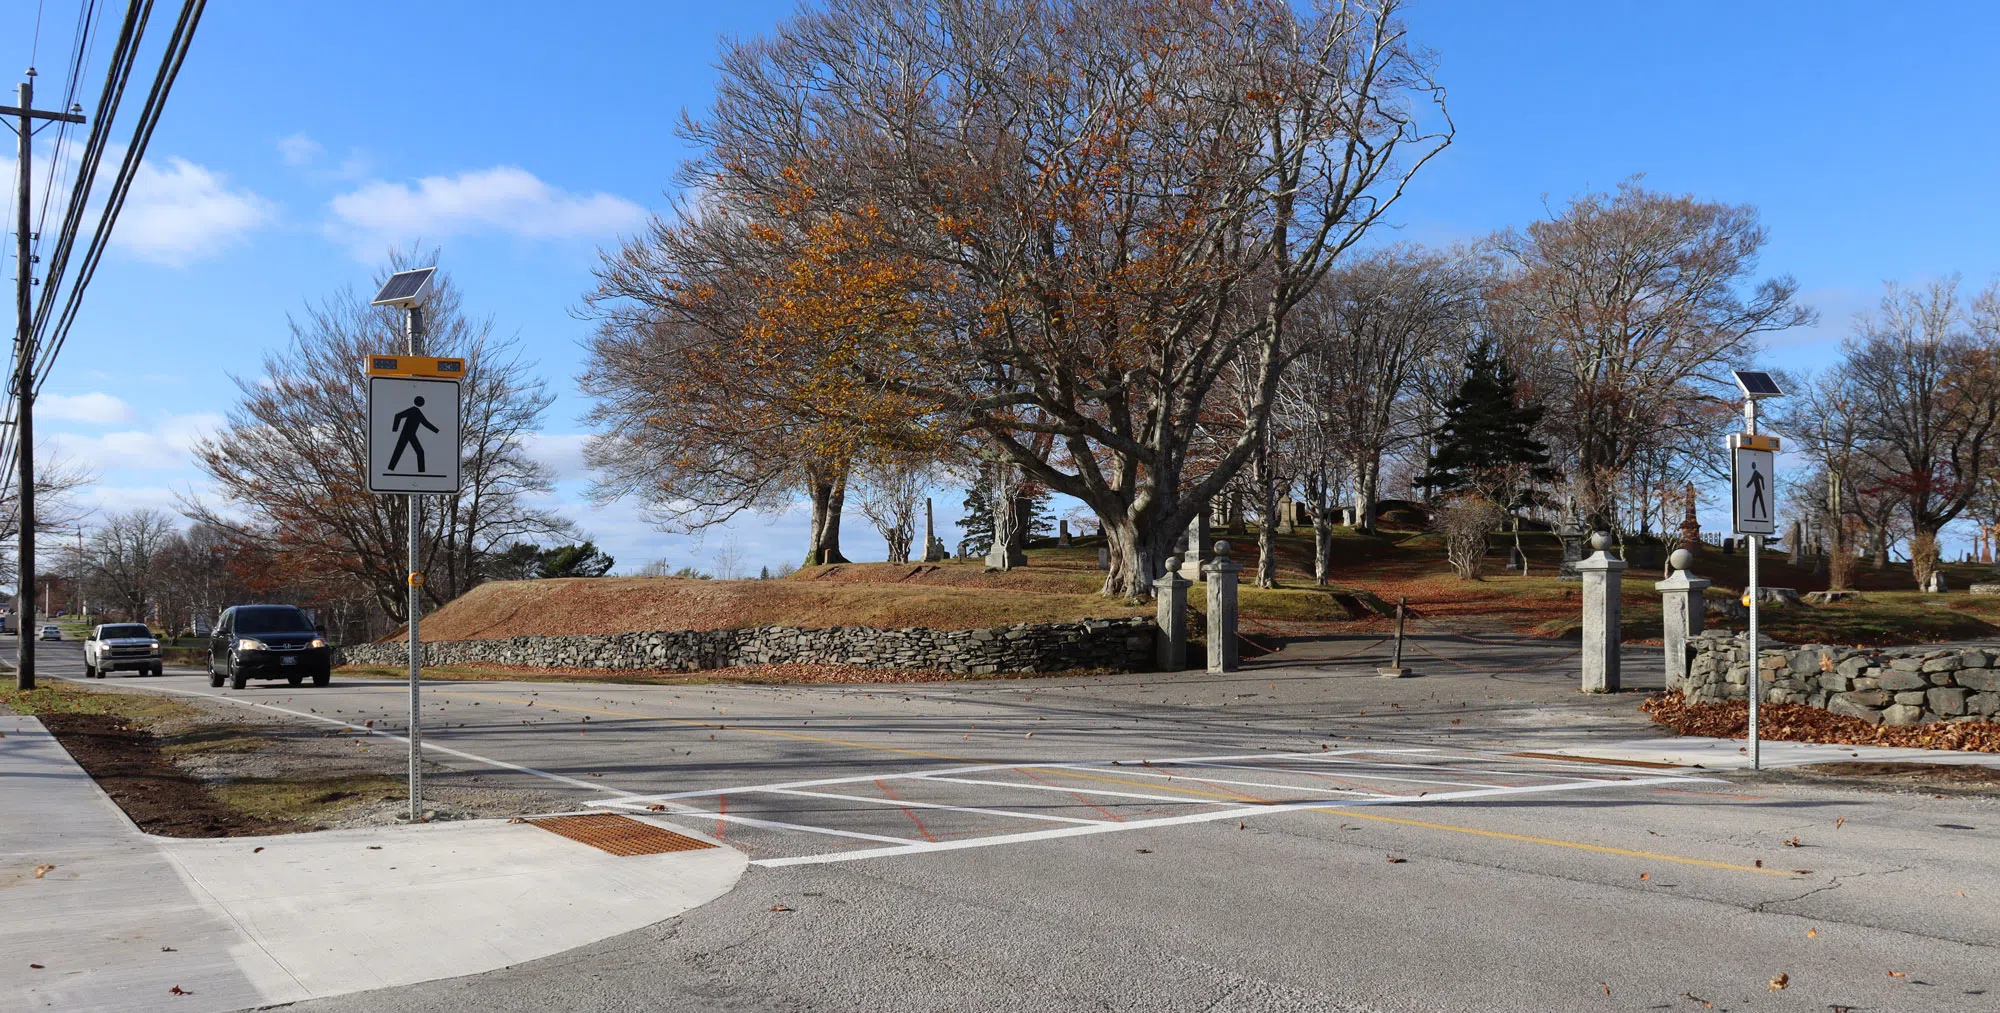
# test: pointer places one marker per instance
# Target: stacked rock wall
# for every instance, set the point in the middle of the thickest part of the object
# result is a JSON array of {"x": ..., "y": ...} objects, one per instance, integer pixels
[
  {"x": 1896, "y": 686},
  {"x": 1123, "y": 644}
]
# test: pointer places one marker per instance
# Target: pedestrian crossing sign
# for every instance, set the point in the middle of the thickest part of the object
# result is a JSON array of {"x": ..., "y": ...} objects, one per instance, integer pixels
[
  {"x": 1753, "y": 483},
  {"x": 412, "y": 435}
]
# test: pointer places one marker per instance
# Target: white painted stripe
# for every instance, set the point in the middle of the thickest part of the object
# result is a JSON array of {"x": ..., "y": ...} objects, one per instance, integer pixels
[
  {"x": 752, "y": 821},
  {"x": 1078, "y": 791},
  {"x": 1247, "y": 784},
  {"x": 924, "y": 847},
  {"x": 933, "y": 772},
  {"x": 1359, "y": 776},
  {"x": 926, "y": 805},
  {"x": 818, "y": 782}
]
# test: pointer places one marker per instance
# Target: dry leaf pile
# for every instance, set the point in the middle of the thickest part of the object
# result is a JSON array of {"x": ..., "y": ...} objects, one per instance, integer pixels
[{"x": 1791, "y": 722}]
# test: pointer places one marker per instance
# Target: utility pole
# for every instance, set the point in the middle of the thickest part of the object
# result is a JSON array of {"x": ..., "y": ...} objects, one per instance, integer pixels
[{"x": 24, "y": 376}]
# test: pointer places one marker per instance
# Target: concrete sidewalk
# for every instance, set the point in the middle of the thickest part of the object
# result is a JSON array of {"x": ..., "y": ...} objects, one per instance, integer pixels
[
  {"x": 124, "y": 919},
  {"x": 1734, "y": 754}
]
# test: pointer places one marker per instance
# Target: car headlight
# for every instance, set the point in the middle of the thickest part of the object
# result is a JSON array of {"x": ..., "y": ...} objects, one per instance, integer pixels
[
  {"x": 155, "y": 645},
  {"x": 317, "y": 642},
  {"x": 246, "y": 644}
]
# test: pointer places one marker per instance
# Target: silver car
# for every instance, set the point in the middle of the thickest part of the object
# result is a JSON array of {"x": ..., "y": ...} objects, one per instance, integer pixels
[{"x": 121, "y": 647}]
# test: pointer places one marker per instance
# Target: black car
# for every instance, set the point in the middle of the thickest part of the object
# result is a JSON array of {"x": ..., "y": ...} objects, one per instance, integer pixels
[{"x": 267, "y": 642}]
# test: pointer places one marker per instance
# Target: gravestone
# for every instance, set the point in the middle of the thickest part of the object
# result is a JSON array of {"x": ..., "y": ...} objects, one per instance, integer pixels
[
  {"x": 934, "y": 550},
  {"x": 1195, "y": 547},
  {"x": 1285, "y": 526},
  {"x": 1062, "y": 533},
  {"x": 1104, "y": 558},
  {"x": 1936, "y": 584},
  {"x": 1571, "y": 534},
  {"x": 1514, "y": 558}
]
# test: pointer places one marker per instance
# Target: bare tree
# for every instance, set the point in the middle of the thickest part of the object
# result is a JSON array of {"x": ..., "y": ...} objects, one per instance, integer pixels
[
  {"x": 292, "y": 459},
  {"x": 1377, "y": 324},
  {"x": 1466, "y": 520},
  {"x": 891, "y": 492},
  {"x": 57, "y": 480},
  {"x": 1926, "y": 364},
  {"x": 124, "y": 554},
  {"x": 1629, "y": 302}
]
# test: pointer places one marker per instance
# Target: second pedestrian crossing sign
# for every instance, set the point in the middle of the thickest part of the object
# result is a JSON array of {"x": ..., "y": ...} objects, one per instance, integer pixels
[
  {"x": 412, "y": 435},
  {"x": 1753, "y": 482}
]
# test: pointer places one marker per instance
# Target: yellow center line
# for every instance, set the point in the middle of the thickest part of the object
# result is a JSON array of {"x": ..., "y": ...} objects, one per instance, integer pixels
[
  {"x": 1496, "y": 834},
  {"x": 1578, "y": 845},
  {"x": 1232, "y": 796}
]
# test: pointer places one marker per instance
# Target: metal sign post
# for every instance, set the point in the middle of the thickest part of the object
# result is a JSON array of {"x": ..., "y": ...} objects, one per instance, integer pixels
[
  {"x": 413, "y": 428},
  {"x": 1753, "y": 497}
]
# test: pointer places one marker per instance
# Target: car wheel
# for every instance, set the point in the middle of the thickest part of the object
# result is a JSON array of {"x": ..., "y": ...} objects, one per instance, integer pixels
[
  {"x": 295, "y": 679},
  {"x": 214, "y": 675},
  {"x": 159, "y": 670},
  {"x": 322, "y": 678},
  {"x": 89, "y": 670},
  {"x": 237, "y": 680}
]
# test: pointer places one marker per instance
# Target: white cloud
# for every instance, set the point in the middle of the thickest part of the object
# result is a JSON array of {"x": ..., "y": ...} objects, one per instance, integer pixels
[
  {"x": 562, "y": 453},
  {"x": 299, "y": 150},
  {"x": 504, "y": 199},
  {"x": 96, "y": 407},
  {"x": 163, "y": 447},
  {"x": 185, "y": 212}
]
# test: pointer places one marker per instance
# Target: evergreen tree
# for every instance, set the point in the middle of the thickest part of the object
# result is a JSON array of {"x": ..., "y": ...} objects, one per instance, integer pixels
[
  {"x": 977, "y": 519},
  {"x": 1487, "y": 442}
]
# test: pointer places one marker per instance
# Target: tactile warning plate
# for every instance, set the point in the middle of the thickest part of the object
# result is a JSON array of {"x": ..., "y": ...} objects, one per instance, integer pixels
[{"x": 619, "y": 835}]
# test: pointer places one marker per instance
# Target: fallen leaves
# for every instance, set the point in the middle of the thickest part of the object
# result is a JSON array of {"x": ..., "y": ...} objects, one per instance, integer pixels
[
  {"x": 1393, "y": 860},
  {"x": 1801, "y": 723},
  {"x": 1897, "y": 974},
  {"x": 1780, "y": 982},
  {"x": 177, "y": 990},
  {"x": 1812, "y": 933},
  {"x": 1143, "y": 851},
  {"x": 43, "y": 870},
  {"x": 1644, "y": 876},
  {"x": 656, "y": 807},
  {"x": 779, "y": 907},
  {"x": 255, "y": 850},
  {"x": 1691, "y": 997},
  {"x": 1605, "y": 987},
  {"x": 1793, "y": 843},
  {"x": 1838, "y": 822},
  {"x": 36, "y": 966}
]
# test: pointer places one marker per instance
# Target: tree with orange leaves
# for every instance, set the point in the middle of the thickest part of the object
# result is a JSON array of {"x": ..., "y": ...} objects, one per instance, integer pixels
[
  {"x": 739, "y": 362},
  {"x": 1111, "y": 205}
]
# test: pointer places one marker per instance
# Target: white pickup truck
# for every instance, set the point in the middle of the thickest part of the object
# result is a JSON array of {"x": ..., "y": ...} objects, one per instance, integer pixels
[{"x": 121, "y": 646}]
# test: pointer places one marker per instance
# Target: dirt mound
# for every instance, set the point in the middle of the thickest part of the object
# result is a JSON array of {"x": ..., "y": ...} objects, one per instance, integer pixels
[{"x": 601, "y": 605}]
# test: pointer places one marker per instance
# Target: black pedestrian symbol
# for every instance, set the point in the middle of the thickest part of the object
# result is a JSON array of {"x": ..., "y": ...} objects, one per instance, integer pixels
[
  {"x": 1758, "y": 508},
  {"x": 406, "y": 423}
]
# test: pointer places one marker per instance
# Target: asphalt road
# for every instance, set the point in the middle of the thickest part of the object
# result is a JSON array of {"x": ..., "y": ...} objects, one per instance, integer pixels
[{"x": 1301, "y": 837}]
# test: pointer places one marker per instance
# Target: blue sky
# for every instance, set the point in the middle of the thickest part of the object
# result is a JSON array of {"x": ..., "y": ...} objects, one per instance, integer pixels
[{"x": 304, "y": 140}]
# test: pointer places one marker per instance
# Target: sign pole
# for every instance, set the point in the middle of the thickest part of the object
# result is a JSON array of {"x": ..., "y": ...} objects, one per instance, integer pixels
[
  {"x": 413, "y": 319},
  {"x": 1756, "y": 656}
]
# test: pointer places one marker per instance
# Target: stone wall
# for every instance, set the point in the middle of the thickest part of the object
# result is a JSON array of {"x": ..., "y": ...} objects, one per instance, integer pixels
[
  {"x": 1896, "y": 686},
  {"x": 1123, "y": 644}
]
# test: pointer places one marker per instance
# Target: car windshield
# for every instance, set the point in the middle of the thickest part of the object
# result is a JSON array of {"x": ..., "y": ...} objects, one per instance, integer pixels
[
  {"x": 272, "y": 620},
  {"x": 124, "y": 631}
]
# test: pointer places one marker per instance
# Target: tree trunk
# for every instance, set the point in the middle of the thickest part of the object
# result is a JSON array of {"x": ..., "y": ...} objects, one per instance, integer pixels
[
  {"x": 1364, "y": 496},
  {"x": 1923, "y": 555},
  {"x": 1267, "y": 506},
  {"x": 1136, "y": 555},
  {"x": 1878, "y": 547},
  {"x": 828, "y": 492}
]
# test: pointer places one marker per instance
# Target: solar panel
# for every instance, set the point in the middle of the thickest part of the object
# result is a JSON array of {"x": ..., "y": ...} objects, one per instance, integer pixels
[
  {"x": 1757, "y": 384},
  {"x": 405, "y": 288}
]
